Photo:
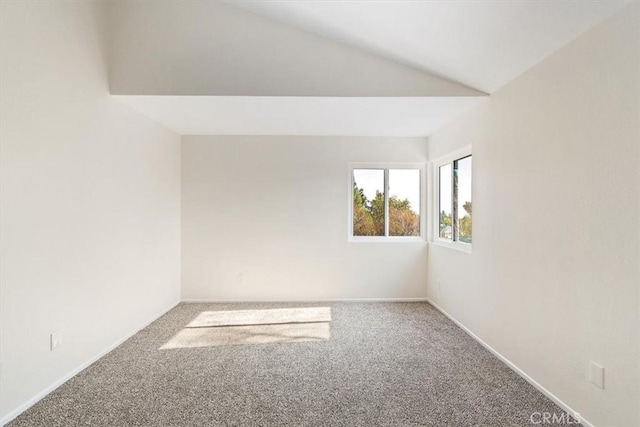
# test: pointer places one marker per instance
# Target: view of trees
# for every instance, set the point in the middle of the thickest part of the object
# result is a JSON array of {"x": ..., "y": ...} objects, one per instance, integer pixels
[
  {"x": 446, "y": 225},
  {"x": 455, "y": 187},
  {"x": 368, "y": 215},
  {"x": 464, "y": 225}
]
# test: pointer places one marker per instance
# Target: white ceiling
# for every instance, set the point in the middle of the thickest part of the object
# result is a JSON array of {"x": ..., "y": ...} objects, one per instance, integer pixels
[
  {"x": 346, "y": 116},
  {"x": 209, "y": 48},
  {"x": 482, "y": 44},
  {"x": 362, "y": 68}
]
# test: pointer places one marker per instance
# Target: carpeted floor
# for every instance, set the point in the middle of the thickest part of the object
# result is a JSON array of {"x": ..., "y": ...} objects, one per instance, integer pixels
[{"x": 389, "y": 364}]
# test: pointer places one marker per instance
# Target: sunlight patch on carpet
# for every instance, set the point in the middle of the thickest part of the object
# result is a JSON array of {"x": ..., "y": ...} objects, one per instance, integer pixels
[
  {"x": 261, "y": 317},
  {"x": 245, "y": 327}
]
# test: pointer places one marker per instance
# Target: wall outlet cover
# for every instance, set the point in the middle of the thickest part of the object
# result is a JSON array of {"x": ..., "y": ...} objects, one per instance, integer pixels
[
  {"x": 56, "y": 340},
  {"x": 596, "y": 374}
]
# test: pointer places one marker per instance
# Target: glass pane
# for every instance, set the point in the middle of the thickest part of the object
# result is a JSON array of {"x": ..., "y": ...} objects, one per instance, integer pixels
[
  {"x": 368, "y": 202},
  {"x": 462, "y": 182},
  {"x": 445, "y": 204},
  {"x": 404, "y": 202}
]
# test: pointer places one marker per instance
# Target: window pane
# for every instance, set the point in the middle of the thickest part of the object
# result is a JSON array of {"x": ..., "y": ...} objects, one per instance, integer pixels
[
  {"x": 445, "y": 204},
  {"x": 462, "y": 182},
  {"x": 368, "y": 202},
  {"x": 404, "y": 202}
]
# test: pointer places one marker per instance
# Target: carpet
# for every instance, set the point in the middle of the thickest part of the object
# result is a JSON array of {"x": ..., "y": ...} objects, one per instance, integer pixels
[{"x": 382, "y": 364}]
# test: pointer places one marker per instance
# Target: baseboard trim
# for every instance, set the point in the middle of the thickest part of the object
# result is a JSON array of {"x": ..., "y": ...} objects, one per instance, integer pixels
[
  {"x": 511, "y": 365},
  {"x": 233, "y": 301},
  {"x": 35, "y": 399}
]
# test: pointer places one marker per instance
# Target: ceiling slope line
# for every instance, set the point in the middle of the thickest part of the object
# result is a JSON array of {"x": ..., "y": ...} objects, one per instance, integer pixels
[
  {"x": 214, "y": 49},
  {"x": 483, "y": 45}
]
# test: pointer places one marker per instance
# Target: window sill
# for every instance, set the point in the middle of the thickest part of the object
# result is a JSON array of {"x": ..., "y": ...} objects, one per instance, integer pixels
[
  {"x": 461, "y": 247},
  {"x": 382, "y": 239}
]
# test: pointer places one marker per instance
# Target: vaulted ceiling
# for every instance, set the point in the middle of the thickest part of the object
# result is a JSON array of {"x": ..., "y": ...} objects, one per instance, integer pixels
[
  {"x": 483, "y": 44},
  {"x": 328, "y": 68}
]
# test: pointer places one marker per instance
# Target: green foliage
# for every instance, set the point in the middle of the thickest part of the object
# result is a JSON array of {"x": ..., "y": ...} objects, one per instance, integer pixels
[
  {"x": 465, "y": 230},
  {"x": 363, "y": 223},
  {"x": 465, "y": 226},
  {"x": 402, "y": 220},
  {"x": 446, "y": 224},
  {"x": 368, "y": 216},
  {"x": 377, "y": 213}
]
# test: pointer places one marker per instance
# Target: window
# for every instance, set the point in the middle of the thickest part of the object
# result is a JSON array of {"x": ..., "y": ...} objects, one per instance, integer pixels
[
  {"x": 453, "y": 194},
  {"x": 385, "y": 202}
]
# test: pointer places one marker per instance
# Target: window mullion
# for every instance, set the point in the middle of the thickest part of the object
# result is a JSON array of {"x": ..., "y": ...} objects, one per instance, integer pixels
[
  {"x": 386, "y": 202},
  {"x": 454, "y": 202}
]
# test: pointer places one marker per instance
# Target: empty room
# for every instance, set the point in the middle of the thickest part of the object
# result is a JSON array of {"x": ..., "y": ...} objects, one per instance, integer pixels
[{"x": 319, "y": 213}]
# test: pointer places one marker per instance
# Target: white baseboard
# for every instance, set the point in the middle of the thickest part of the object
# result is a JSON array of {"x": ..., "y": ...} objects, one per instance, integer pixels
[
  {"x": 231, "y": 301},
  {"x": 511, "y": 365},
  {"x": 29, "y": 403}
]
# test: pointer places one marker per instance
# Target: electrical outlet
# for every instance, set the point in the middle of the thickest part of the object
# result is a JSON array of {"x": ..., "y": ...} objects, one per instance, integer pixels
[
  {"x": 56, "y": 340},
  {"x": 439, "y": 283},
  {"x": 240, "y": 278},
  {"x": 596, "y": 374}
]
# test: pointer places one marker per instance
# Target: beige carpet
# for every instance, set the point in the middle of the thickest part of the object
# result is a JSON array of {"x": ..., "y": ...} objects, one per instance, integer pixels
[{"x": 385, "y": 364}]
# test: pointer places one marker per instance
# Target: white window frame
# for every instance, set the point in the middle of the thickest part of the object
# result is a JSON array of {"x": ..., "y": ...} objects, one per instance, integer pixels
[
  {"x": 434, "y": 166},
  {"x": 423, "y": 203}
]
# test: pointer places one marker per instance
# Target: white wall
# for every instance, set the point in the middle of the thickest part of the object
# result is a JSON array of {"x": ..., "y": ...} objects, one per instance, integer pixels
[
  {"x": 274, "y": 210},
  {"x": 553, "y": 280},
  {"x": 90, "y": 209}
]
